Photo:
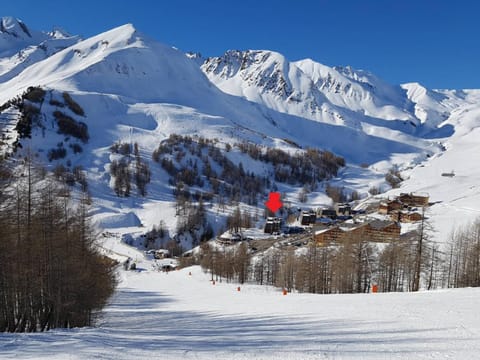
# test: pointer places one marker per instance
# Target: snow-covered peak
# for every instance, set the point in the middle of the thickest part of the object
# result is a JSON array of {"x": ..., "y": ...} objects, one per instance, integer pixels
[
  {"x": 21, "y": 46},
  {"x": 376, "y": 85},
  {"x": 361, "y": 76},
  {"x": 357, "y": 90},
  {"x": 123, "y": 62},
  {"x": 118, "y": 37},
  {"x": 14, "y": 27},
  {"x": 416, "y": 91},
  {"x": 432, "y": 107},
  {"x": 59, "y": 33},
  {"x": 265, "y": 70},
  {"x": 315, "y": 70},
  {"x": 15, "y": 35},
  {"x": 307, "y": 88},
  {"x": 196, "y": 57}
]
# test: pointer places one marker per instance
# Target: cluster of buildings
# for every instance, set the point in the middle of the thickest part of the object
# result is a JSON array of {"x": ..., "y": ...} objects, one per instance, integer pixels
[
  {"x": 340, "y": 212},
  {"x": 404, "y": 207},
  {"x": 371, "y": 231},
  {"x": 330, "y": 225}
]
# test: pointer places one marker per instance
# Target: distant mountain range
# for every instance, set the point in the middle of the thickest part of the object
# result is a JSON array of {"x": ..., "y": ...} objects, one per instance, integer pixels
[{"x": 132, "y": 88}]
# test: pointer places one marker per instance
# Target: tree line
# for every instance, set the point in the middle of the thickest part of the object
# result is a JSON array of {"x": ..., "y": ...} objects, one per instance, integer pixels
[
  {"x": 207, "y": 165},
  {"x": 51, "y": 273},
  {"x": 302, "y": 167},
  {"x": 201, "y": 162},
  {"x": 355, "y": 265},
  {"x": 463, "y": 256}
]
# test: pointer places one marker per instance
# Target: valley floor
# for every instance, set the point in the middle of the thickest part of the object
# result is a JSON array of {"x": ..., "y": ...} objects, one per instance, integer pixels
[{"x": 181, "y": 315}]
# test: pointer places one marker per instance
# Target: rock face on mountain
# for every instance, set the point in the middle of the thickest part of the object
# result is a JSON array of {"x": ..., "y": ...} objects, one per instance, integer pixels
[{"x": 336, "y": 95}]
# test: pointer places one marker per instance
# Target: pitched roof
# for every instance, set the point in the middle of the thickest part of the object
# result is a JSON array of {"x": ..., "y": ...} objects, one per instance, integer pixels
[{"x": 381, "y": 224}]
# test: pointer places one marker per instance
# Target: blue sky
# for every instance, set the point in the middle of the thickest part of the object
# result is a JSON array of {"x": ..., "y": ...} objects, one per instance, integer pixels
[{"x": 436, "y": 43}]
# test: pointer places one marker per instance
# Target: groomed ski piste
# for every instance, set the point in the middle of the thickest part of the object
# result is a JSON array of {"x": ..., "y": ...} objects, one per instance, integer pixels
[{"x": 183, "y": 315}]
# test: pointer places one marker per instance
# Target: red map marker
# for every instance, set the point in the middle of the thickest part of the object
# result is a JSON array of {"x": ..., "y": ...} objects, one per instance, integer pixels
[{"x": 273, "y": 203}]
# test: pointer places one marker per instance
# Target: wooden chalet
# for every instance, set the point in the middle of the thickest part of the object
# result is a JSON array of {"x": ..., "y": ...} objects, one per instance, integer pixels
[
  {"x": 372, "y": 231},
  {"x": 413, "y": 200},
  {"x": 382, "y": 231},
  {"x": 405, "y": 216},
  {"x": 401, "y": 209},
  {"x": 387, "y": 207},
  {"x": 168, "y": 267},
  {"x": 329, "y": 235}
]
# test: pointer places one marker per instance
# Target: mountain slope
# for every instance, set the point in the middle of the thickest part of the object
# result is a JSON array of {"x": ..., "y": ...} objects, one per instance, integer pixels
[
  {"x": 21, "y": 47},
  {"x": 339, "y": 96},
  {"x": 133, "y": 89},
  {"x": 124, "y": 64},
  {"x": 305, "y": 87},
  {"x": 456, "y": 197},
  {"x": 358, "y": 91}
]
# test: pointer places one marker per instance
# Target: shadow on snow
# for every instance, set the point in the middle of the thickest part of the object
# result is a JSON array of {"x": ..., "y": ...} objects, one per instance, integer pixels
[{"x": 135, "y": 323}]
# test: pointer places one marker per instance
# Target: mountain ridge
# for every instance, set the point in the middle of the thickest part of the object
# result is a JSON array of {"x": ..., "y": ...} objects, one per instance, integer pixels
[{"x": 136, "y": 90}]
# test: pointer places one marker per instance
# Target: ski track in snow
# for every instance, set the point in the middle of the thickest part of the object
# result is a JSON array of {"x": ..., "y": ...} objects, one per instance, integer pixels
[{"x": 180, "y": 316}]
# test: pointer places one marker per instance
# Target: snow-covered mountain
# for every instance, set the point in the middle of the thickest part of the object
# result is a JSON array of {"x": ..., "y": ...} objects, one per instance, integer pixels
[
  {"x": 306, "y": 88},
  {"x": 126, "y": 67},
  {"x": 338, "y": 95},
  {"x": 133, "y": 89},
  {"x": 21, "y": 47}
]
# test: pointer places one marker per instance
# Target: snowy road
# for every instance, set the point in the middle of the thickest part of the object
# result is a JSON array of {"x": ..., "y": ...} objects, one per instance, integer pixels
[{"x": 182, "y": 316}]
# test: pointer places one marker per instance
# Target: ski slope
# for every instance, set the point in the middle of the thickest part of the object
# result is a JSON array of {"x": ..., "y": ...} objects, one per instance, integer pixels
[
  {"x": 180, "y": 316},
  {"x": 134, "y": 89}
]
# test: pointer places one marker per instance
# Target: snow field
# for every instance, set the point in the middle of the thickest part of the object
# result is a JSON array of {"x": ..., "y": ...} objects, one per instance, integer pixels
[{"x": 180, "y": 316}]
